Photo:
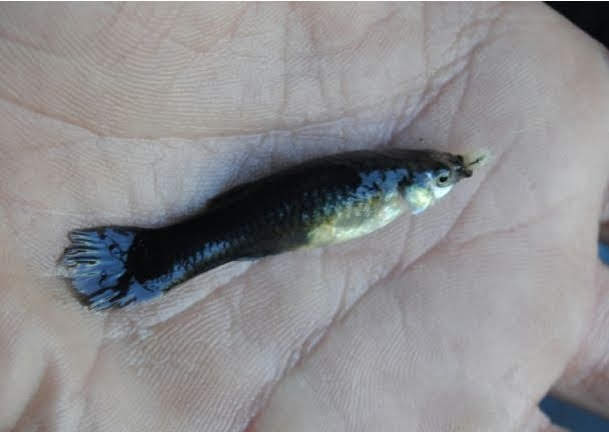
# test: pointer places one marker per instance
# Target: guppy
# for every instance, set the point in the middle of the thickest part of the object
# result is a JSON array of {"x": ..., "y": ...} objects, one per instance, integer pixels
[{"x": 317, "y": 203}]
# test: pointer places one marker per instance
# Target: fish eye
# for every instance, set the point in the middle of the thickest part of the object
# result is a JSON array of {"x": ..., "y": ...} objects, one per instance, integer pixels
[{"x": 442, "y": 177}]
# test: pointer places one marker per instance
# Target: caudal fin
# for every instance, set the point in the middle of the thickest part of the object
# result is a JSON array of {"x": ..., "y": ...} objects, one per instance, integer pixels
[{"x": 97, "y": 264}]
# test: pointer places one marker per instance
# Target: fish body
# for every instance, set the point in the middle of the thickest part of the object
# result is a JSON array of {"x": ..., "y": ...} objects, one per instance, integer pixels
[{"x": 318, "y": 203}]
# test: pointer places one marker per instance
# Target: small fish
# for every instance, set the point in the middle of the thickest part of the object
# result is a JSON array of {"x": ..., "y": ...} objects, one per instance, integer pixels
[{"x": 317, "y": 203}]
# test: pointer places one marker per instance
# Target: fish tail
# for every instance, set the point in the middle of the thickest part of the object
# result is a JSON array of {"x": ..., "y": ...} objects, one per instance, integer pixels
[{"x": 96, "y": 262}]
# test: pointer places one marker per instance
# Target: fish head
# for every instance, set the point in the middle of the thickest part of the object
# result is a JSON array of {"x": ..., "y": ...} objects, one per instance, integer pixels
[{"x": 433, "y": 178}]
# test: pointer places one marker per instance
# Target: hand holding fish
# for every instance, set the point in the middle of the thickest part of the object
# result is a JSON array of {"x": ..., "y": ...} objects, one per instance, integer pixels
[{"x": 458, "y": 317}]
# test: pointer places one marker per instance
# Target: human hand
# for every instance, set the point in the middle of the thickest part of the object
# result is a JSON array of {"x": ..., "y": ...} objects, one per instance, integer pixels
[{"x": 461, "y": 318}]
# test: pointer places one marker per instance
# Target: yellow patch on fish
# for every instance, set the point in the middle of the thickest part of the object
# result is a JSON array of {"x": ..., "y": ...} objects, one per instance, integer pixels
[
  {"x": 419, "y": 198},
  {"x": 349, "y": 224}
]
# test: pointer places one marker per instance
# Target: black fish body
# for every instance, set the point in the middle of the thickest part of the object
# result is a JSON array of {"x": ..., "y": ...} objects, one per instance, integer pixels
[{"x": 317, "y": 203}]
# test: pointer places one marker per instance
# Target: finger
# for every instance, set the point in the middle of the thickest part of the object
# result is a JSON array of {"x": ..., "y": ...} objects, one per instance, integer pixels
[{"x": 585, "y": 381}]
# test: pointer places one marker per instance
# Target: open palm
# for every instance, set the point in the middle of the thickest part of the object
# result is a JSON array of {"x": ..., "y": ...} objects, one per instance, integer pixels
[{"x": 461, "y": 318}]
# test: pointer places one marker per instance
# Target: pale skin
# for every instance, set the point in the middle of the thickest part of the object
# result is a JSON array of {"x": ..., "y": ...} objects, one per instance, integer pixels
[{"x": 458, "y": 319}]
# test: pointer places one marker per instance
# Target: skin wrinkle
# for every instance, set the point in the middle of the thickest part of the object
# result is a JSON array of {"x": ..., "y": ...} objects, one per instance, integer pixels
[
  {"x": 468, "y": 56},
  {"x": 238, "y": 21},
  {"x": 134, "y": 48},
  {"x": 165, "y": 21},
  {"x": 284, "y": 61},
  {"x": 342, "y": 303},
  {"x": 323, "y": 87},
  {"x": 65, "y": 120},
  {"x": 166, "y": 35},
  {"x": 353, "y": 111},
  {"x": 37, "y": 398},
  {"x": 351, "y": 46},
  {"x": 317, "y": 334},
  {"x": 50, "y": 382},
  {"x": 468, "y": 77},
  {"x": 488, "y": 22},
  {"x": 425, "y": 44},
  {"x": 425, "y": 100},
  {"x": 109, "y": 27},
  {"x": 258, "y": 404},
  {"x": 29, "y": 45},
  {"x": 468, "y": 67},
  {"x": 87, "y": 378},
  {"x": 540, "y": 217},
  {"x": 318, "y": 56},
  {"x": 59, "y": 118}
]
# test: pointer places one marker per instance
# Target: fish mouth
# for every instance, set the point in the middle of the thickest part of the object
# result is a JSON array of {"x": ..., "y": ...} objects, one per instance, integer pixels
[
  {"x": 467, "y": 163},
  {"x": 464, "y": 172},
  {"x": 460, "y": 168}
]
